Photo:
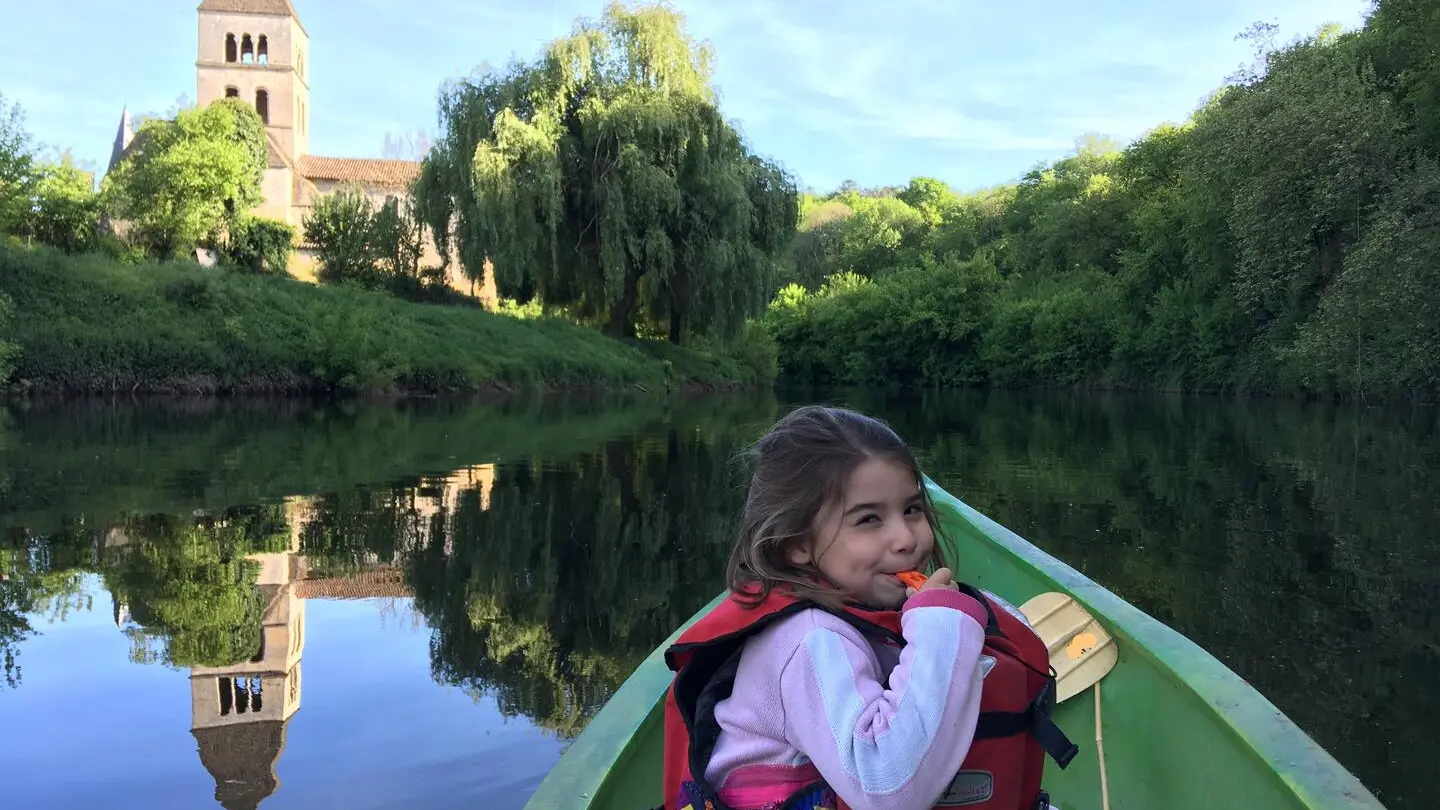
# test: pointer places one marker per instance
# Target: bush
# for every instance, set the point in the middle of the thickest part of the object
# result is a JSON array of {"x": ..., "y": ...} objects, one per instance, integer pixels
[
  {"x": 1060, "y": 331},
  {"x": 118, "y": 250},
  {"x": 759, "y": 354},
  {"x": 260, "y": 244},
  {"x": 917, "y": 325},
  {"x": 8, "y": 348},
  {"x": 376, "y": 248},
  {"x": 339, "y": 226}
]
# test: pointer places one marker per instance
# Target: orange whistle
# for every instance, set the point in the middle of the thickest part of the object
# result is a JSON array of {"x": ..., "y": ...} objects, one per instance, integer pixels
[{"x": 913, "y": 579}]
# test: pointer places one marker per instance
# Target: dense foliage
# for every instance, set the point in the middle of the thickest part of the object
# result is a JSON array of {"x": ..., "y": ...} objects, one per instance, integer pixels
[
  {"x": 339, "y": 226},
  {"x": 94, "y": 325},
  {"x": 1283, "y": 238},
  {"x": 8, "y": 348},
  {"x": 260, "y": 244},
  {"x": 378, "y": 247},
  {"x": 603, "y": 179},
  {"x": 190, "y": 585},
  {"x": 185, "y": 180},
  {"x": 17, "y": 168}
]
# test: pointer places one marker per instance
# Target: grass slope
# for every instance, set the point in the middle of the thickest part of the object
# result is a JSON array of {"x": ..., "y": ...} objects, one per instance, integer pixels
[{"x": 87, "y": 323}]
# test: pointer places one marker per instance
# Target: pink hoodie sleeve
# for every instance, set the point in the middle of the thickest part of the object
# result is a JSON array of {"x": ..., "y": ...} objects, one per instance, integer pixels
[{"x": 896, "y": 747}]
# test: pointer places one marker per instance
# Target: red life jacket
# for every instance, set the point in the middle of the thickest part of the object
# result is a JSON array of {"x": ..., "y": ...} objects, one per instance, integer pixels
[{"x": 1001, "y": 771}]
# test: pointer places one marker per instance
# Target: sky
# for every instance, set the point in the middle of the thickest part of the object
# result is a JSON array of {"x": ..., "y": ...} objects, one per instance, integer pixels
[{"x": 973, "y": 93}]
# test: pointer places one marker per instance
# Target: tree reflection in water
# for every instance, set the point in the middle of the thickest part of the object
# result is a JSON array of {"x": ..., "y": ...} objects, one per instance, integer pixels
[{"x": 550, "y": 547}]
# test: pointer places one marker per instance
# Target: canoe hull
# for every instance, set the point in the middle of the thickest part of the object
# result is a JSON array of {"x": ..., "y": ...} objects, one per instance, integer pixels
[{"x": 1180, "y": 729}]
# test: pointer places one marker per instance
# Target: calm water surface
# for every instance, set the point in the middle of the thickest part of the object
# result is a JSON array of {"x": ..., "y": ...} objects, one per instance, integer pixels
[{"x": 384, "y": 606}]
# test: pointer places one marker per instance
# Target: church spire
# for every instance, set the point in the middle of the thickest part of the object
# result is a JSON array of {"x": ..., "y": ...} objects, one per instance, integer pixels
[{"x": 123, "y": 136}]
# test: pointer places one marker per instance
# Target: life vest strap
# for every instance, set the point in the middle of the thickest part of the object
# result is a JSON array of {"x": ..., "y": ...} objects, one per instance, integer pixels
[{"x": 1035, "y": 720}]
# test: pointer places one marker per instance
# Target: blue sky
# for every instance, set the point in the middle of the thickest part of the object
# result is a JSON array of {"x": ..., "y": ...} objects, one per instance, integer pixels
[{"x": 974, "y": 93}]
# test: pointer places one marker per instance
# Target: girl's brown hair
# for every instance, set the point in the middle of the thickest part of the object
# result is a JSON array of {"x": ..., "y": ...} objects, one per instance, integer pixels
[{"x": 800, "y": 465}]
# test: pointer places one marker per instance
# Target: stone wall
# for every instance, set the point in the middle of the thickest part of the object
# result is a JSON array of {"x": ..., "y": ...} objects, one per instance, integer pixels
[{"x": 283, "y": 77}]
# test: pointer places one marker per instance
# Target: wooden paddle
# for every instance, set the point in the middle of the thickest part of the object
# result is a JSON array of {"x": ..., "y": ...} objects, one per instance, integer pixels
[{"x": 1081, "y": 652}]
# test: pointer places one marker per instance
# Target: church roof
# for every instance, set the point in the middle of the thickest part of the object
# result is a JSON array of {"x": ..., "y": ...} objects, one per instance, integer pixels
[
  {"x": 361, "y": 585},
  {"x": 395, "y": 174},
  {"x": 241, "y": 757},
  {"x": 276, "y": 154},
  {"x": 123, "y": 136},
  {"x": 277, "y": 8}
]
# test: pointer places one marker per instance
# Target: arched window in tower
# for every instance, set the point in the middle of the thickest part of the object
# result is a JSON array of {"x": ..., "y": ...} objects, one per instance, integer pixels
[
  {"x": 262, "y": 55},
  {"x": 232, "y": 92},
  {"x": 247, "y": 50},
  {"x": 230, "y": 49},
  {"x": 262, "y": 105}
]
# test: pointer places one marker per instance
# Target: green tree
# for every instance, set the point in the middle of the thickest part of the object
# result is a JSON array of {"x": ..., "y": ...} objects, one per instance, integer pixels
[
  {"x": 1377, "y": 325},
  {"x": 603, "y": 178},
  {"x": 814, "y": 252},
  {"x": 66, "y": 210},
  {"x": 547, "y": 593},
  {"x": 1301, "y": 158},
  {"x": 341, "y": 227},
  {"x": 1403, "y": 43},
  {"x": 186, "y": 180},
  {"x": 17, "y": 175},
  {"x": 399, "y": 238},
  {"x": 1275, "y": 241},
  {"x": 866, "y": 233},
  {"x": 31, "y": 583},
  {"x": 883, "y": 233},
  {"x": 9, "y": 350},
  {"x": 191, "y": 587},
  {"x": 934, "y": 200}
]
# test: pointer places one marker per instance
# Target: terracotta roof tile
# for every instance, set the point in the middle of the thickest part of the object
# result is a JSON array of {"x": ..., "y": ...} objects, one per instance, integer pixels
[
  {"x": 383, "y": 173},
  {"x": 362, "y": 585},
  {"x": 276, "y": 7}
]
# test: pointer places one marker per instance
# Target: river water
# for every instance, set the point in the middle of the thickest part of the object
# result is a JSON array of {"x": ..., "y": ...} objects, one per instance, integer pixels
[{"x": 416, "y": 605}]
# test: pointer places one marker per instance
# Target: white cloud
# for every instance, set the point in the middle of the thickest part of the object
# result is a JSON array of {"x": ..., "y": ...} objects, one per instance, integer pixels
[
  {"x": 830, "y": 86},
  {"x": 989, "y": 77},
  {"x": 836, "y": 88},
  {"x": 951, "y": 75}
]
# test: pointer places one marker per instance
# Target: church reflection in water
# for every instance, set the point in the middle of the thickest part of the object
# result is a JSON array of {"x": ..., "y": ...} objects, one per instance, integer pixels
[{"x": 239, "y": 713}]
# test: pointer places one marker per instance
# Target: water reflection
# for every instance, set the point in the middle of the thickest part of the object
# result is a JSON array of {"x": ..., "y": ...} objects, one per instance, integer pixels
[
  {"x": 543, "y": 543},
  {"x": 240, "y": 733},
  {"x": 544, "y": 547},
  {"x": 1296, "y": 542},
  {"x": 549, "y": 595}
]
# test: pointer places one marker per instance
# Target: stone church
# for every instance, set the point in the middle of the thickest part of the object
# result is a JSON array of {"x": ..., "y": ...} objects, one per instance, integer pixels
[{"x": 259, "y": 51}]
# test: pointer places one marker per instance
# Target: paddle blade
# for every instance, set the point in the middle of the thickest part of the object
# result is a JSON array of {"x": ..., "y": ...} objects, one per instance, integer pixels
[{"x": 1080, "y": 650}]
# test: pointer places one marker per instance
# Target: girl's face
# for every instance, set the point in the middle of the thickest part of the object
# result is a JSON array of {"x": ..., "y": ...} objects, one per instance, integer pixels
[{"x": 876, "y": 530}]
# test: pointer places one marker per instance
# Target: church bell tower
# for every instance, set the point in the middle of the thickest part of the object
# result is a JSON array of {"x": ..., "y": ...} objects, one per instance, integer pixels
[{"x": 257, "y": 51}]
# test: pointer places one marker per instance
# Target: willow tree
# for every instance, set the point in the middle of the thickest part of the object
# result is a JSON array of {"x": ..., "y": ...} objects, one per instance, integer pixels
[{"x": 603, "y": 179}]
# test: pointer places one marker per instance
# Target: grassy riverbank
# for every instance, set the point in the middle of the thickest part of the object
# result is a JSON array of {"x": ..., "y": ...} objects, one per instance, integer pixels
[{"x": 89, "y": 324}]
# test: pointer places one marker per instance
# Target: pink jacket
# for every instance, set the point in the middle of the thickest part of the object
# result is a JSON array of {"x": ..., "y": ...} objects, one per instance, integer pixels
[{"x": 885, "y": 727}]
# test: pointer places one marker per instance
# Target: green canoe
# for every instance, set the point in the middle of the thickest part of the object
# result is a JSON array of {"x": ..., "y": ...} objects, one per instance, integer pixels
[{"x": 1180, "y": 729}]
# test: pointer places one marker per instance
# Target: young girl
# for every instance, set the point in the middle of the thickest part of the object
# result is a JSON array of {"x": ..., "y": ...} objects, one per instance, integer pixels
[{"x": 823, "y": 681}]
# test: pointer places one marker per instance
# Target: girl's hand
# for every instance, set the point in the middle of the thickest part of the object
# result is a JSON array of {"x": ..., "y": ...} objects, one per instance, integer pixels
[{"x": 942, "y": 578}]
